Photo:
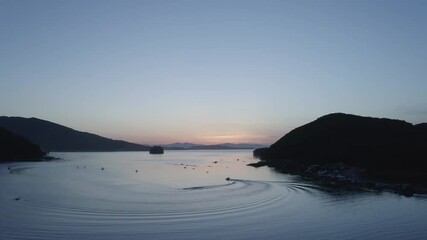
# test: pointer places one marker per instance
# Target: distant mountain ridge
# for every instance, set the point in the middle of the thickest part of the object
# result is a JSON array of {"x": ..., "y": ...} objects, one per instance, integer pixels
[
  {"x": 222, "y": 146},
  {"x": 180, "y": 145},
  {"x": 54, "y": 137}
]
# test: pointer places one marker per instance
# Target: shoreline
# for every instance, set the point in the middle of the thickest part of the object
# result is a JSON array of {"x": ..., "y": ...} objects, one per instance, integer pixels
[{"x": 342, "y": 175}]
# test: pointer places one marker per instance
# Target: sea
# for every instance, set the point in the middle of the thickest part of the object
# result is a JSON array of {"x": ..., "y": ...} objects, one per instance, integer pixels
[{"x": 203, "y": 194}]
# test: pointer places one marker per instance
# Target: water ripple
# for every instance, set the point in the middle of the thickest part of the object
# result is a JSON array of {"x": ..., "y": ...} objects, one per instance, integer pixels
[{"x": 59, "y": 201}]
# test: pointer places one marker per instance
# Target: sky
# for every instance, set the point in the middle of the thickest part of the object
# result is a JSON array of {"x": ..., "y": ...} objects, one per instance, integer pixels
[{"x": 202, "y": 71}]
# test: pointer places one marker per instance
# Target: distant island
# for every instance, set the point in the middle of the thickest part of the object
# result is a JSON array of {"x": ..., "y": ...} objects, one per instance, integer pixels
[
  {"x": 349, "y": 149},
  {"x": 16, "y": 148},
  {"x": 54, "y": 137},
  {"x": 156, "y": 150}
]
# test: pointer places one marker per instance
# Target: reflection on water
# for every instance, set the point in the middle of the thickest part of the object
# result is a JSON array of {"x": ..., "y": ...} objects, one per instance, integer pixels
[{"x": 185, "y": 195}]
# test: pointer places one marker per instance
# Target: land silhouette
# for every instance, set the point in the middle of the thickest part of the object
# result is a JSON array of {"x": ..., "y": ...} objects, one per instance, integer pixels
[
  {"x": 156, "y": 150},
  {"x": 16, "y": 148},
  {"x": 222, "y": 146},
  {"x": 353, "y": 149},
  {"x": 54, "y": 137},
  {"x": 340, "y": 147}
]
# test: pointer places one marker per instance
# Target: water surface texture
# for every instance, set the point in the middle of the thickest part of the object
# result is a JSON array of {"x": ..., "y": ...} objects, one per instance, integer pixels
[{"x": 184, "y": 195}]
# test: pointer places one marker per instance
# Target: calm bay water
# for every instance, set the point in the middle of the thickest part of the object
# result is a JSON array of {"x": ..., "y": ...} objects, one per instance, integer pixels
[{"x": 184, "y": 195}]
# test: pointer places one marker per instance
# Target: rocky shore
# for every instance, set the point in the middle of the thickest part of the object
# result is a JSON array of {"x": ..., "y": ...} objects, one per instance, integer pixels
[{"x": 342, "y": 175}]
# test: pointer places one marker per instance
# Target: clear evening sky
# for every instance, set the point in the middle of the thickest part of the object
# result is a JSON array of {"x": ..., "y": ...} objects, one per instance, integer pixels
[{"x": 211, "y": 71}]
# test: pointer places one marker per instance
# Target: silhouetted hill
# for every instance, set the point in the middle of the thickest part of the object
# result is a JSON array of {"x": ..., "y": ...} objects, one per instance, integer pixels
[
  {"x": 54, "y": 137},
  {"x": 179, "y": 145},
  {"x": 387, "y": 149},
  {"x": 15, "y": 148},
  {"x": 421, "y": 132}
]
